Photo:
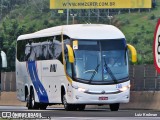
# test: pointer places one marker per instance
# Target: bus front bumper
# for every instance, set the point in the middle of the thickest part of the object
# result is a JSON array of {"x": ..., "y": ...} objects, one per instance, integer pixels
[{"x": 89, "y": 99}]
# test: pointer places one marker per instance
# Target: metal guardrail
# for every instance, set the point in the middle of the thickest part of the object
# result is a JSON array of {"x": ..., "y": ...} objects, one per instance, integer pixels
[{"x": 143, "y": 78}]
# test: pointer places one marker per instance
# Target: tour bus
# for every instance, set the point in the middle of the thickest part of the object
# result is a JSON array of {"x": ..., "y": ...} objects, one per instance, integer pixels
[{"x": 70, "y": 65}]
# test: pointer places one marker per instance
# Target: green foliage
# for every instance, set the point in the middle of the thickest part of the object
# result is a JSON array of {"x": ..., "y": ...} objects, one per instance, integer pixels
[
  {"x": 152, "y": 17},
  {"x": 21, "y": 17},
  {"x": 140, "y": 32},
  {"x": 27, "y": 16}
]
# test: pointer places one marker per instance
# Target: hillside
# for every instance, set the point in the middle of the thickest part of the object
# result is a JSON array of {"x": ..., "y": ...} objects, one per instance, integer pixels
[
  {"x": 31, "y": 15},
  {"x": 139, "y": 30}
]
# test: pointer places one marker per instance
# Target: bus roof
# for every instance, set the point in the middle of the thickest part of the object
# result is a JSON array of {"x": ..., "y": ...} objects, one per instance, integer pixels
[{"x": 79, "y": 31}]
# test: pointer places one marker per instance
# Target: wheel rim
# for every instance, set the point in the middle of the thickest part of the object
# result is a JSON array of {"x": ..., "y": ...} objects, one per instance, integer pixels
[
  {"x": 33, "y": 102},
  {"x": 64, "y": 101}
]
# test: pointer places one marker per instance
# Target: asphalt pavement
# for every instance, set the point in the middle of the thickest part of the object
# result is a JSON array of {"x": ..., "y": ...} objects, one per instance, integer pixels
[{"x": 87, "y": 114}]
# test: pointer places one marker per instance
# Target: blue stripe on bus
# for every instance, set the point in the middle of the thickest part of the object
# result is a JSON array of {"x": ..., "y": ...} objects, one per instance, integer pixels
[{"x": 41, "y": 92}]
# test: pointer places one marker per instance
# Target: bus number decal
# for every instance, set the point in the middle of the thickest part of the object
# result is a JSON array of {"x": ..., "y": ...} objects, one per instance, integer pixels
[
  {"x": 119, "y": 86},
  {"x": 53, "y": 67}
]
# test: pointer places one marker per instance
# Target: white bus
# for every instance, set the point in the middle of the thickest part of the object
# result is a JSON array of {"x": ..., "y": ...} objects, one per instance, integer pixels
[{"x": 70, "y": 65}]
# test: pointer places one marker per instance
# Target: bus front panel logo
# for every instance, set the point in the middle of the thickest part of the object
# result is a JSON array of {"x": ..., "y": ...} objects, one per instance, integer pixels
[{"x": 156, "y": 47}]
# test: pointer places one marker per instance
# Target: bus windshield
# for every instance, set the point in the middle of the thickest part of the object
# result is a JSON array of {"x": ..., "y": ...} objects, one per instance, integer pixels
[{"x": 101, "y": 61}]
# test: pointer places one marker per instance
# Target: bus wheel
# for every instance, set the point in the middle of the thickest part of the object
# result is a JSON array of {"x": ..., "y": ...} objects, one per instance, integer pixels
[
  {"x": 114, "y": 107},
  {"x": 32, "y": 103},
  {"x": 43, "y": 106},
  {"x": 28, "y": 102},
  {"x": 81, "y": 107},
  {"x": 67, "y": 106}
]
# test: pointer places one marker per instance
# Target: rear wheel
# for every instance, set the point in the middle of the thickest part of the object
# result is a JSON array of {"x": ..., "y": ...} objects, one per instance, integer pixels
[
  {"x": 42, "y": 106},
  {"x": 114, "y": 107},
  {"x": 28, "y": 102},
  {"x": 31, "y": 104}
]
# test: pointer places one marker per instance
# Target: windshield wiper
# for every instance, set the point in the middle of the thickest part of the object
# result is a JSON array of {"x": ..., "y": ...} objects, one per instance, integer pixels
[
  {"x": 109, "y": 71},
  {"x": 95, "y": 70}
]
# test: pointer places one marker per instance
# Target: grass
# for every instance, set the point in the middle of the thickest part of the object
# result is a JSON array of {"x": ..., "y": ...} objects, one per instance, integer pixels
[{"x": 139, "y": 31}]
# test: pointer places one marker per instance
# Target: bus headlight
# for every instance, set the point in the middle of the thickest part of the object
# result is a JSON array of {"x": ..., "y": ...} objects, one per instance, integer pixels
[
  {"x": 81, "y": 89},
  {"x": 124, "y": 88}
]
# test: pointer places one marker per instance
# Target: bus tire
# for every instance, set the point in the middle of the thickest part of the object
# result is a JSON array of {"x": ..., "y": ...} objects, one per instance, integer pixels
[
  {"x": 80, "y": 107},
  {"x": 28, "y": 102},
  {"x": 32, "y": 103},
  {"x": 67, "y": 107},
  {"x": 114, "y": 107},
  {"x": 42, "y": 106}
]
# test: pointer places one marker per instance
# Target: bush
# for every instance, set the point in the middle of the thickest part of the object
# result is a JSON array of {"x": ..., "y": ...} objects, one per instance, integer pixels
[
  {"x": 46, "y": 22},
  {"x": 152, "y": 17},
  {"x": 136, "y": 25},
  {"x": 142, "y": 27}
]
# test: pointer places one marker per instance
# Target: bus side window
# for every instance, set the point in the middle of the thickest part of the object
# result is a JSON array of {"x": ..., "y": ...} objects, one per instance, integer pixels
[
  {"x": 51, "y": 50},
  {"x": 57, "y": 49},
  {"x": 44, "y": 52},
  {"x": 32, "y": 56},
  {"x": 21, "y": 48},
  {"x": 27, "y": 52},
  {"x": 48, "y": 50},
  {"x": 38, "y": 51}
]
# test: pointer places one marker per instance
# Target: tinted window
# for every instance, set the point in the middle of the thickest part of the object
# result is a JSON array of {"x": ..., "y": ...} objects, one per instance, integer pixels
[{"x": 38, "y": 49}]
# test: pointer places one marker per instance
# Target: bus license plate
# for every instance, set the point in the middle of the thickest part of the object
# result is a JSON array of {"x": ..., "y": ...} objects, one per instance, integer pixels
[{"x": 103, "y": 98}]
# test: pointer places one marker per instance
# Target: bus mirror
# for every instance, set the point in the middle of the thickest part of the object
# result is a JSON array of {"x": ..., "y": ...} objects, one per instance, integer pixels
[
  {"x": 133, "y": 53},
  {"x": 4, "y": 59},
  {"x": 70, "y": 54}
]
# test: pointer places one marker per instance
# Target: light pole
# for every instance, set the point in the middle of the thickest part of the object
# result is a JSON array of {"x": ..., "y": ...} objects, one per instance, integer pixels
[
  {"x": 110, "y": 19},
  {"x": 67, "y": 11},
  {"x": 73, "y": 17}
]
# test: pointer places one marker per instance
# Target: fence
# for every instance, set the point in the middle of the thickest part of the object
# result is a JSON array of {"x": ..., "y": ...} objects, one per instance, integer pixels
[
  {"x": 8, "y": 81},
  {"x": 143, "y": 78}
]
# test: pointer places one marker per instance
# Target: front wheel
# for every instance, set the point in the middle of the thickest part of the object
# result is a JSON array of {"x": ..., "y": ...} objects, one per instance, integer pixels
[
  {"x": 81, "y": 107},
  {"x": 114, "y": 107},
  {"x": 67, "y": 107}
]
